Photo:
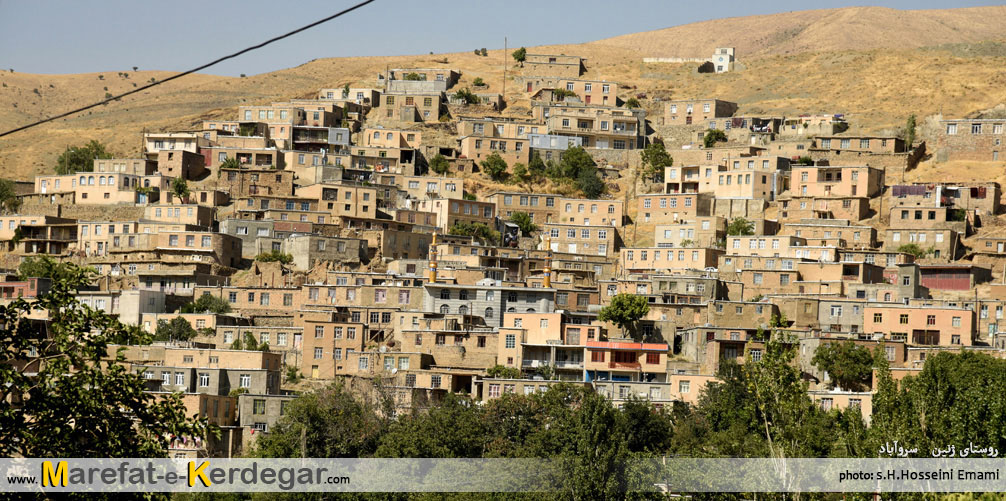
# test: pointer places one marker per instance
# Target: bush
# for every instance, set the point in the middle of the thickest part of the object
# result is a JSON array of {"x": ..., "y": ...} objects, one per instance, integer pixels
[
  {"x": 632, "y": 103},
  {"x": 439, "y": 164},
  {"x": 466, "y": 96},
  {"x": 413, "y": 76},
  {"x": 207, "y": 303},
  {"x": 915, "y": 250},
  {"x": 273, "y": 256},
  {"x": 501, "y": 372},
  {"x": 712, "y": 137},
  {"x": 740, "y": 227},
  {"x": 590, "y": 183},
  {"x": 495, "y": 167},
  {"x": 480, "y": 231},
  {"x": 520, "y": 55},
  {"x": 524, "y": 222},
  {"x": 478, "y": 82},
  {"x": 561, "y": 94}
]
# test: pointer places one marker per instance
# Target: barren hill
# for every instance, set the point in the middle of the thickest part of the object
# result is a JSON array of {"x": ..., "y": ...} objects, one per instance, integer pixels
[
  {"x": 831, "y": 64},
  {"x": 850, "y": 28}
]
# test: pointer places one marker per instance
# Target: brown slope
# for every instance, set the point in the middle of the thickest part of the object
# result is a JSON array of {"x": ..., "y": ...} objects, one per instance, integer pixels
[{"x": 849, "y": 28}]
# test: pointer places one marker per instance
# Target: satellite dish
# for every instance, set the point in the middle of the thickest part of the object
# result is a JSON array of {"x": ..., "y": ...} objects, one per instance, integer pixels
[{"x": 394, "y": 371}]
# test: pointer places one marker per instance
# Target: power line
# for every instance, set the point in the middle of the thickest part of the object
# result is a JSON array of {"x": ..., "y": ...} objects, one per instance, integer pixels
[{"x": 193, "y": 70}]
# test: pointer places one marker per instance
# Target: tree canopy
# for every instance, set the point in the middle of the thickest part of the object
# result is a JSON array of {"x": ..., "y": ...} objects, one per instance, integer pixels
[
  {"x": 480, "y": 231},
  {"x": 180, "y": 188},
  {"x": 439, "y": 164},
  {"x": 520, "y": 55},
  {"x": 712, "y": 137},
  {"x": 589, "y": 182},
  {"x": 81, "y": 400},
  {"x": 207, "y": 303},
  {"x": 655, "y": 158},
  {"x": 495, "y": 167},
  {"x": 8, "y": 196},
  {"x": 524, "y": 222},
  {"x": 849, "y": 366},
  {"x": 177, "y": 329},
  {"x": 740, "y": 227},
  {"x": 48, "y": 267},
  {"x": 81, "y": 158},
  {"x": 625, "y": 310}
]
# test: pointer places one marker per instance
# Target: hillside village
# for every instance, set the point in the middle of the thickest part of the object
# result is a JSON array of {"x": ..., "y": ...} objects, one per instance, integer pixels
[{"x": 416, "y": 236}]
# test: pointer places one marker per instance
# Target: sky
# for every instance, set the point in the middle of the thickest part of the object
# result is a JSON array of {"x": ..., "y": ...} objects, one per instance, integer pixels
[{"x": 73, "y": 36}]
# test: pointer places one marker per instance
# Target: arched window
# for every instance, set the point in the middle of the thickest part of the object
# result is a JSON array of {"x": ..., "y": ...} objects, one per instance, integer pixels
[
  {"x": 146, "y": 183},
  {"x": 101, "y": 180},
  {"x": 90, "y": 180},
  {"x": 530, "y": 310},
  {"x": 111, "y": 180},
  {"x": 489, "y": 313},
  {"x": 445, "y": 293},
  {"x": 444, "y": 309},
  {"x": 511, "y": 310},
  {"x": 463, "y": 310},
  {"x": 83, "y": 180},
  {"x": 887, "y": 296}
]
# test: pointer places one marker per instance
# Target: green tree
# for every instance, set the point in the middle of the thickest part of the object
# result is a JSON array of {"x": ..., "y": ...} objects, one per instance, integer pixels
[
  {"x": 915, "y": 250},
  {"x": 712, "y": 137},
  {"x": 8, "y": 195},
  {"x": 81, "y": 158},
  {"x": 495, "y": 167},
  {"x": 632, "y": 103},
  {"x": 740, "y": 227},
  {"x": 590, "y": 183},
  {"x": 180, "y": 188},
  {"x": 655, "y": 158},
  {"x": 453, "y": 429},
  {"x": 177, "y": 329},
  {"x": 478, "y": 82},
  {"x": 524, "y": 222},
  {"x": 536, "y": 167},
  {"x": 230, "y": 163},
  {"x": 345, "y": 90},
  {"x": 910, "y": 132},
  {"x": 480, "y": 231},
  {"x": 560, "y": 94},
  {"x": 790, "y": 422},
  {"x": 75, "y": 399},
  {"x": 484, "y": 52},
  {"x": 624, "y": 311},
  {"x": 520, "y": 55},
  {"x": 413, "y": 76},
  {"x": 326, "y": 423},
  {"x": 466, "y": 96},
  {"x": 47, "y": 267},
  {"x": 207, "y": 303},
  {"x": 249, "y": 343},
  {"x": 502, "y": 372},
  {"x": 849, "y": 365},
  {"x": 574, "y": 160},
  {"x": 439, "y": 164},
  {"x": 521, "y": 175},
  {"x": 274, "y": 256}
]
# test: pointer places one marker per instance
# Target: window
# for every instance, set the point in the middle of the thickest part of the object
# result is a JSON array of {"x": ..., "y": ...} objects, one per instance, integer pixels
[
  {"x": 684, "y": 386},
  {"x": 652, "y": 358},
  {"x": 244, "y": 380},
  {"x": 930, "y": 319},
  {"x": 956, "y": 322},
  {"x": 204, "y": 379},
  {"x": 511, "y": 341},
  {"x": 364, "y": 363}
]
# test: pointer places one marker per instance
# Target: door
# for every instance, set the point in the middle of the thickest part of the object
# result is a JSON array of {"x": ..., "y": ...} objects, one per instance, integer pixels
[
  {"x": 688, "y": 120},
  {"x": 45, "y": 185},
  {"x": 529, "y": 86},
  {"x": 315, "y": 372},
  {"x": 586, "y": 99},
  {"x": 999, "y": 247}
]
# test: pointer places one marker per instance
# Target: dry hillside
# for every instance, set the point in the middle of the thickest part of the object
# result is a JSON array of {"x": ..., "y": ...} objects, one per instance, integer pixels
[
  {"x": 812, "y": 61},
  {"x": 851, "y": 28}
]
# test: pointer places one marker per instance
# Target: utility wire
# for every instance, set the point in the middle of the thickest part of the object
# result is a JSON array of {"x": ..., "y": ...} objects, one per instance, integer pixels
[{"x": 193, "y": 70}]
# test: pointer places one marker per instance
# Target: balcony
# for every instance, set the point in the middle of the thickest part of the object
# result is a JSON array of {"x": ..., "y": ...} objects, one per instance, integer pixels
[
  {"x": 534, "y": 363},
  {"x": 569, "y": 364},
  {"x": 634, "y": 366}
]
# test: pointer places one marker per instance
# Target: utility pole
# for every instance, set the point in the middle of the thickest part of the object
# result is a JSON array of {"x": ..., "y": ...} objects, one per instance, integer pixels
[{"x": 503, "y": 93}]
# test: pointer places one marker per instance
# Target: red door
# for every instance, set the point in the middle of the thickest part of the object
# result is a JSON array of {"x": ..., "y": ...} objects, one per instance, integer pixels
[
  {"x": 586, "y": 99},
  {"x": 529, "y": 86}
]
